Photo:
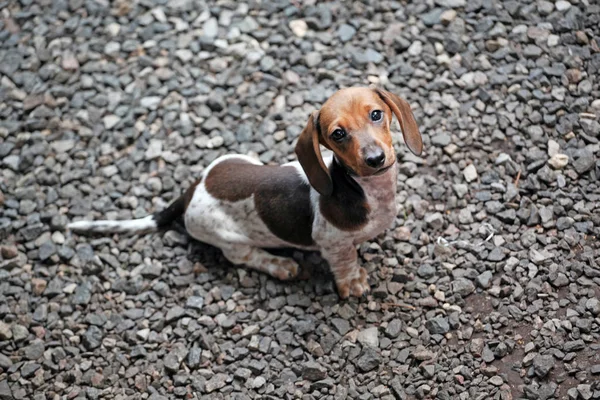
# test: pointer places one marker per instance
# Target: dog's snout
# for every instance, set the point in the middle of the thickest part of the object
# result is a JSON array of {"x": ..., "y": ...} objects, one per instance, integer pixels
[{"x": 375, "y": 157}]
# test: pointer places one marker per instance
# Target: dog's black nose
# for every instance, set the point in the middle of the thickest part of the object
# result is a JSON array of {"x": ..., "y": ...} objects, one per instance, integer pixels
[{"x": 375, "y": 158}]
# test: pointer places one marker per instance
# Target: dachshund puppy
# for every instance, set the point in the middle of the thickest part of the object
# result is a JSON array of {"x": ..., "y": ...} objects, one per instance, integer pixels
[{"x": 242, "y": 206}]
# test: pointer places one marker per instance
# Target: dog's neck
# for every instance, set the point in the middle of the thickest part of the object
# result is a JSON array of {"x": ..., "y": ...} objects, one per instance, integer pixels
[
  {"x": 356, "y": 199},
  {"x": 379, "y": 182}
]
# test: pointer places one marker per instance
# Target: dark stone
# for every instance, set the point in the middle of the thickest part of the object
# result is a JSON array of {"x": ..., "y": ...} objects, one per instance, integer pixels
[
  {"x": 368, "y": 360},
  {"x": 437, "y": 325},
  {"x": 313, "y": 371},
  {"x": 92, "y": 338}
]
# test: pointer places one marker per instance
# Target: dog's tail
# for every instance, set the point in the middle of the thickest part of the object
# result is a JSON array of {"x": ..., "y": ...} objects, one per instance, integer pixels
[{"x": 151, "y": 223}]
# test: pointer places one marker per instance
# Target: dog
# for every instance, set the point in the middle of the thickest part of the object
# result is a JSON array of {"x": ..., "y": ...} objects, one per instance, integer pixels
[{"x": 331, "y": 205}]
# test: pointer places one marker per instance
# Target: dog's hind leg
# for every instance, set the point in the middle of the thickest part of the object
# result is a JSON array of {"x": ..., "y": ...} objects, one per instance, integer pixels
[{"x": 278, "y": 267}]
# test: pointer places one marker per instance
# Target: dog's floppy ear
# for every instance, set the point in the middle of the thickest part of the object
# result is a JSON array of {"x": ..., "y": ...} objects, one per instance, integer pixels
[
  {"x": 309, "y": 156},
  {"x": 402, "y": 110}
]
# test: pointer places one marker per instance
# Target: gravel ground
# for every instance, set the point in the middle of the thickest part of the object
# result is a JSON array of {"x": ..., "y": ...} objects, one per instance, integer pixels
[{"x": 113, "y": 108}]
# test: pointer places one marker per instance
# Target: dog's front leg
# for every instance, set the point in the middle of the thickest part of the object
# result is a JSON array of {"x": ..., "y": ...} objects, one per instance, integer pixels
[{"x": 350, "y": 278}]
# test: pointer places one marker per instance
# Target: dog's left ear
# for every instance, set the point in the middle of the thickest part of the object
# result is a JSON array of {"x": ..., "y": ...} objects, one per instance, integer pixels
[
  {"x": 309, "y": 156},
  {"x": 402, "y": 110}
]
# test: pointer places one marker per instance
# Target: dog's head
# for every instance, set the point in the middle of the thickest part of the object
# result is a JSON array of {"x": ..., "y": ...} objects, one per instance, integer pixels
[{"x": 354, "y": 123}]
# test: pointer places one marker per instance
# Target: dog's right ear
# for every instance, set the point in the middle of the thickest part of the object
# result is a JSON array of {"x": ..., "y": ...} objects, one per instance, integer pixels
[{"x": 309, "y": 156}]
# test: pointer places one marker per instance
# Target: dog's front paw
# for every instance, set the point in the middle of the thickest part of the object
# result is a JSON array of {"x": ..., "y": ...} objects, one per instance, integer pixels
[
  {"x": 284, "y": 269},
  {"x": 357, "y": 286}
]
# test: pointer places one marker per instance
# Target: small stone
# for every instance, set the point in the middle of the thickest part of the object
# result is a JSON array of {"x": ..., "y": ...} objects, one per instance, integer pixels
[
  {"x": 542, "y": 365},
  {"x": 47, "y": 250},
  {"x": 496, "y": 380},
  {"x": 69, "y": 62},
  {"x": 38, "y": 285},
  {"x": 34, "y": 351},
  {"x": 448, "y": 16},
  {"x": 5, "y": 331},
  {"x": 553, "y": 148},
  {"x": 258, "y": 382},
  {"x": 369, "y": 337},
  {"x": 463, "y": 286},
  {"x": 593, "y": 306},
  {"x": 313, "y": 371},
  {"x": 172, "y": 362},
  {"x": 313, "y": 59},
  {"x": 487, "y": 355},
  {"x": 394, "y": 328},
  {"x": 415, "y": 48},
  {"x": 243, "y": 373},
  {"x": 83, "y": 294},
  {"x": 573, "y": 345},
  {"x": 441, "y": 139},
  {"x": 342, "y": 326},
  {"x": 13, "y": 161},
  {"x": 561, "y": 280},
  {"x": 194, "y": 357},
  {"x": 298, "y": 27},
  {"x": 113, "y": 29},
  {"x": 562, "y": 5},
  {"x": 195, "y": 302},
  {"x": 437, "y": 325},
  {"x": 92, "y": 338},
  {"x": 573, "y": 394},
  {"x": 477, "y": 346},
  {"x": 216, "y": 382},
  {"x": 553, "y": 40},
  {"x": 496, "y": 254},
  {"x": 150, "y": 102},
  {"x": 5, "y": 392},
  {"x": 184, "y": 55},
  {"x": 6, "y": 363},
  {"x": 584, "y": 163},
  {"x": 210, "y": 29},
  {"x": 174, "y": 314},
  {"x": 154, "y": 149},
  {"x": 143, "y": 334},
  {"x": 112, "y": 48},
  {"x": 470, "y": 173},
  {"x": 28, "y": 370},
  {"x": 346, "y": 32},
  {"x": 423, "y": 354},
  {"x": 484, "y": 280},
  {"x": 110, "y": 121},
  {"x": 432, "y": 17},
  {"x": 368, "y": 360},
  {"x": 585, "y": 391},
  {"x": 435, "y": 220},
  {"x": 62, "y": 146},
  {"x": 8, "y": 252},
  {"x": 558, "y": 161}
]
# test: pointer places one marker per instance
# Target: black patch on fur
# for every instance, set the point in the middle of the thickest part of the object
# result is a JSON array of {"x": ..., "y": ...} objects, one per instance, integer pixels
[
  {"x": 283, "y": 203},
  {"x": 281, "y": 196},
  {"x": 170, "y": 214},
  {"x": 347, "y": 207}
]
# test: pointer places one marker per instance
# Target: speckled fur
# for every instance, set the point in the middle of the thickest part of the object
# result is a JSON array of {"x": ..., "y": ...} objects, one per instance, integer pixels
[{"x": 236, "y": 228}]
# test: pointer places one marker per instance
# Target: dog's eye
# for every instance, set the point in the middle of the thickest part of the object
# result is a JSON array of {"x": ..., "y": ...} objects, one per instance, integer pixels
[
  {"x": 338, "y": 134},
  {"x": 376, "y": 115}
]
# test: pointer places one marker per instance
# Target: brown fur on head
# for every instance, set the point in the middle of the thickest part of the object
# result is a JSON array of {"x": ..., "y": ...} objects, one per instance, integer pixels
[{"x": 355, "y": 124}]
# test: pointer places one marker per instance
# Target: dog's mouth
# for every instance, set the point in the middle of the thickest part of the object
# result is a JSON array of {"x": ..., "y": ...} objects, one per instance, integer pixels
[
  {"x": 382, "y": 170},
  {"x": 366, "y": 174}
]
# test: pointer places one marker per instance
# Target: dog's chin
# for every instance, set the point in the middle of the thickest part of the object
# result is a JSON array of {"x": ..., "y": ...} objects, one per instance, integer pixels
[
  {"x": 376, "y": 171},
  {"x": 384, "y": 169}
]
